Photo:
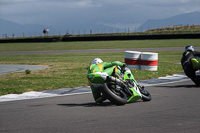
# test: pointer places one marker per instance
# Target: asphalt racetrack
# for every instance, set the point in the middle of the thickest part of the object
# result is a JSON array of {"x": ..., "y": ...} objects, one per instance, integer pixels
[
  {"x": 97, "y": 51},
  {"x": 174, "y": 108}
]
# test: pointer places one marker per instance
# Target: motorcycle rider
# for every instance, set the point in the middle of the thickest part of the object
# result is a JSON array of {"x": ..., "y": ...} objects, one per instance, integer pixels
[
  {"x": 97, "y": 75},
  {"x": 190, "y": 63}
]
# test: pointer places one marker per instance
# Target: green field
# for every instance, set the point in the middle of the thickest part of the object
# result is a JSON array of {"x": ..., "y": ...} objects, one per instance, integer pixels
[
  {"x": 69, "y": 70},
  {"x": 11, "y": 47}
]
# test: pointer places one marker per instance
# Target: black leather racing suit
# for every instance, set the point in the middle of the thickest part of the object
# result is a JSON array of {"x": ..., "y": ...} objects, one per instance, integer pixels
[{"x": 187, "y": 65}]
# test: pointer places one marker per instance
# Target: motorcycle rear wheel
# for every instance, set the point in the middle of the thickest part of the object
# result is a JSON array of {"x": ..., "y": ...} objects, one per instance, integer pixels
[{"x": 118, "y": 98}]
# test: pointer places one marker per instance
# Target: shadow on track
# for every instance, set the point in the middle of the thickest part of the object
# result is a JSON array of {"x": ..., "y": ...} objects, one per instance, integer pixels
[
  {"x": 87, "y": 104},
  {"x": 93, "y": 104}
]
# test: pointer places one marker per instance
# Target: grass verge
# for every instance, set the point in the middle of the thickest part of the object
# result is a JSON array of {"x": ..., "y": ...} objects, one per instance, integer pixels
[
  {"x": 13, "y": 47},
  {"x": 70, "y": 70}
]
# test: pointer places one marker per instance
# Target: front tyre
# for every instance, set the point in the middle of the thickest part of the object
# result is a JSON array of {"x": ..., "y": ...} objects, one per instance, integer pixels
[
  {"x": 117, "y": 97},
  {"x": 146, "y": 96}
]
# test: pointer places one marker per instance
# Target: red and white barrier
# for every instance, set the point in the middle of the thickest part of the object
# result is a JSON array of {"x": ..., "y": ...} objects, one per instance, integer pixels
[
  {"x": 141, "y": 60},
  {"x": 132, "y": 59},
  {"x": 149, "y": 61}
]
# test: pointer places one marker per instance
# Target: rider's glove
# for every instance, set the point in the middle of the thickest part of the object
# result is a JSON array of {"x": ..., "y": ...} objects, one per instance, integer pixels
[
  {"x": 124, "y": 66},
  {"x": 140, "y": 87}
]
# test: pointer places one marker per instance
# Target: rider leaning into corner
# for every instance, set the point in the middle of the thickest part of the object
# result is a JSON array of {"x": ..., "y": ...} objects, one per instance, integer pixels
[
  {"x": 190, "y": 63},
  {"x": 97, "y": 75}
]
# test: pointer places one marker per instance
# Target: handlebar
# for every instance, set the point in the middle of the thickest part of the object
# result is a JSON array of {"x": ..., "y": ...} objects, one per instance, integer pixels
[{"x": 122, "y": 68}]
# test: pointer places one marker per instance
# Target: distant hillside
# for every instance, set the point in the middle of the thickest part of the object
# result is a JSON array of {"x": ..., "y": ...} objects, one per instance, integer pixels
[
  {"x": 183, "y": 19},
  {"x": 8, "y": 27},
  {"x": 176, "y": 29}
]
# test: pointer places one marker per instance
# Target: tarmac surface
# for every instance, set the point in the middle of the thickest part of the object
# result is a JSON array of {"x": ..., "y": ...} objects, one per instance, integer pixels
[
  {"x": 19, "y": 68},
  {"x": 97, "y": 51},
  {"x": 174, "y": 108},
  {"x": 89, "y": 51}
]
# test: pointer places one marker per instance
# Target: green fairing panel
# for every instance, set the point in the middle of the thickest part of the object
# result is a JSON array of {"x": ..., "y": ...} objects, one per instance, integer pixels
[
  {"x": 135, "y": 96},
  {"x": 131, "y": 78}
]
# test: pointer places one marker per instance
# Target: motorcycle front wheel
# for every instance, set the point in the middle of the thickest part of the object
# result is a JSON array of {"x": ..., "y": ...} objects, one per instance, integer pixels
[
  {"x": 146, "y": 96},
  {"x": 117, "y": 97}
]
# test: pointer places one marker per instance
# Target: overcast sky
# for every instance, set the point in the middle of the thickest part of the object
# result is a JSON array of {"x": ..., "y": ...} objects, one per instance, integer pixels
[{"x": 115, "y": 13}]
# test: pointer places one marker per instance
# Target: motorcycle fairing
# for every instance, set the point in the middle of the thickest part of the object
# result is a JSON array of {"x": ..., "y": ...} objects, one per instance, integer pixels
[
  {"x": 135, "y": 90},
  {"x": 136, "y": 94}
]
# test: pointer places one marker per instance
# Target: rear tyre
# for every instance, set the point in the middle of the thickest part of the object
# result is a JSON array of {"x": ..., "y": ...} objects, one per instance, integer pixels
[{"x": 116, "y": 97}]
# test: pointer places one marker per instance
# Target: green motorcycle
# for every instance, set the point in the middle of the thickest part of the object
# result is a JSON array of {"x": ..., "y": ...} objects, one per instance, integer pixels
[{"x": 122, "y": 88}]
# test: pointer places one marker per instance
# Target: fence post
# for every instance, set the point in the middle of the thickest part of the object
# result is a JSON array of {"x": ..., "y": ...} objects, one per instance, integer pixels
[
  {"x": 117, "y": 30},
  {"x": 85, "y": 31}
]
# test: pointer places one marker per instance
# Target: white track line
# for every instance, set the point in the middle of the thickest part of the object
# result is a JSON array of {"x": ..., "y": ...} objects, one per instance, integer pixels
[{"x": 84, "y": 90}]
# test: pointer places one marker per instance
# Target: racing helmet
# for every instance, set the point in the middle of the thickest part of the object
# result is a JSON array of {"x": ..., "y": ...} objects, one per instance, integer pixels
[
  {"x": 96, "y": 61},
  {"x": 189, "y": 48}
]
